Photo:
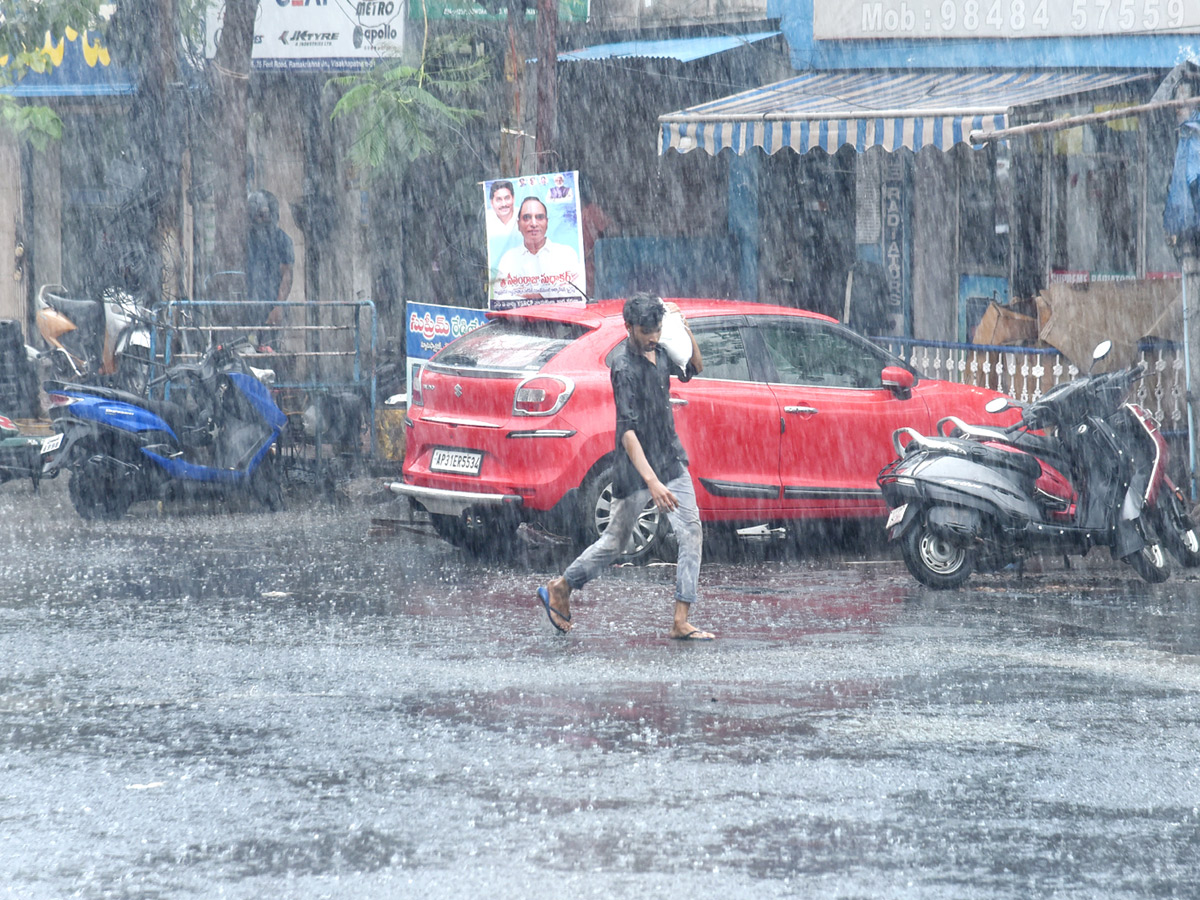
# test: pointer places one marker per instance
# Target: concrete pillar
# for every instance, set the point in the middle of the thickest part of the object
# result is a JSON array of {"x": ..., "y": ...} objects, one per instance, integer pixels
[
  {"x": 1191, "y": 332},
  {"x": 12, "y": 266}
]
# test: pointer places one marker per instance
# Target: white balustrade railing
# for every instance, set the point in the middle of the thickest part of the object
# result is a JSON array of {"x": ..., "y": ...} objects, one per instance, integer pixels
[{"x": 1025, "y": 373}]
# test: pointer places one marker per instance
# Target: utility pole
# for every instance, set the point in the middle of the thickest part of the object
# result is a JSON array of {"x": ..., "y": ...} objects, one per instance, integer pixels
[
  {"x": 230, "y": 74},
  {"x": 514, "y": 64},
  {"x": 547, "y": 85}
]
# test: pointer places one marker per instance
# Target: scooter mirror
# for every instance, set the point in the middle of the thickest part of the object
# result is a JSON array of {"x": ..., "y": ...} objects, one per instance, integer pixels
[
  {"x": 996, "y": 405},
  {"x": 1102, "y": 350}
]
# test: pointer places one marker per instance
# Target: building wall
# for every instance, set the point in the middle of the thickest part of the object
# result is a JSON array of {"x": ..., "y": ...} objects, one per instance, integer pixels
[
  {"x": 12, "y": 285},
  {"x": 934, "y": 267},
  {"x": 652, "y": 13},
  {"x": 47, "y": 219}
]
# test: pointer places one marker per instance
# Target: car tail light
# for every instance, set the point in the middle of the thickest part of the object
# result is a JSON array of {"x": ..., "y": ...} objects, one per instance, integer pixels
[
  {"x": 418, "y": 395},
  {"x": 542, "y": 395}
]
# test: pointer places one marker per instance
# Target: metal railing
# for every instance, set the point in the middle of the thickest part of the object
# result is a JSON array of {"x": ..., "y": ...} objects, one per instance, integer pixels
[
  {"x": 1025, "y": 373},
  {"x": 331, "y": 349}
]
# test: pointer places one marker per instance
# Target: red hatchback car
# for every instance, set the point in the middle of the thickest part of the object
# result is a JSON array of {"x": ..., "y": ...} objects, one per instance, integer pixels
[{"x": 792, "y": 418}]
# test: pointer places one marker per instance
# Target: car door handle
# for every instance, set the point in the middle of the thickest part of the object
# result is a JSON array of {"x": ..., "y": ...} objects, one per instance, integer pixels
[
  {"x": 678, "y": 401},
  {"x": 801, "y": 410}
]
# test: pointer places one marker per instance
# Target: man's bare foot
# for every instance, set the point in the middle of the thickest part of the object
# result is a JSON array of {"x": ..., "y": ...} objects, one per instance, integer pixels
[
  {"x": 560, "y": 603},
  {"x": 682, "y": 629},
  {"x": 689, "y": 632}
]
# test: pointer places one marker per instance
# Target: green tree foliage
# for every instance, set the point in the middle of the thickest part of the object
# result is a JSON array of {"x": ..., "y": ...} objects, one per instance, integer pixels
[
  {"x": 402, "y": 112},
  {"x": 24, "y": 26}
]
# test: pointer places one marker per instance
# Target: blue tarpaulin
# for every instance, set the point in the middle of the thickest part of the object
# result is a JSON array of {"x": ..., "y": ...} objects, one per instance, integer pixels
[{"x": 1181, "y": 213}]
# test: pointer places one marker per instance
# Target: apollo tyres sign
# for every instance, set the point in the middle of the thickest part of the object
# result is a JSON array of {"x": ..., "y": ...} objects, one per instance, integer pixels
[{"x": 323, "y": 35}]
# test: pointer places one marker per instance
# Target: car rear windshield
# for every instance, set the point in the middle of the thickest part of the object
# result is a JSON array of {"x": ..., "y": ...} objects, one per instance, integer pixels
[{"x": 509, "y": 345}]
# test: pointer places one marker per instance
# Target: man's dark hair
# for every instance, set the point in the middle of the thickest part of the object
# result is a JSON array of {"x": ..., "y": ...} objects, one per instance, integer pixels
[
  {"x": 521, "y": 208},
  {"x": 501, "y": 186},
  {"x": 645, "y": 310}
]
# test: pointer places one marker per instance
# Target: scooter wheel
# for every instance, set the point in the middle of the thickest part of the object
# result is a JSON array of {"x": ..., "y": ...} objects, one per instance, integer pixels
[
  {"x": 935, "y": 561},
  {"x": 96, "y": 496},
  {"x": 1150, "y": 563},
  {"x": 1179, "y": 534}
]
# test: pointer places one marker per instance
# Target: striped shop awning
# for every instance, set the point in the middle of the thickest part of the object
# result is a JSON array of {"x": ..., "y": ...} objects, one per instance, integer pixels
[
  {"x": 869, "y": 109},
  {"x": 678, "y": 49}
]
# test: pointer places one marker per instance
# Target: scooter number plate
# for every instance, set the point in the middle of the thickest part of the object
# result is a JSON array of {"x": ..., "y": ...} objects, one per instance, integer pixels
[
  {"x": 896, "y": 516},
  {"x": 460, "y": 462},
  {"x": 52, "y": 443}
]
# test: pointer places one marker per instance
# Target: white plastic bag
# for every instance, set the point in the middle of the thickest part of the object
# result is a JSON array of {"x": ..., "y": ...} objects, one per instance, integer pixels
[{"x": 674, "y": 339}]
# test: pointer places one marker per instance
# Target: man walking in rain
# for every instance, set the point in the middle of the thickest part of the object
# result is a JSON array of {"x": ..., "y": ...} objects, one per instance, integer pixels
[
  {"x": 270, "y": 257},
  {"x": 650, "y": 464}
]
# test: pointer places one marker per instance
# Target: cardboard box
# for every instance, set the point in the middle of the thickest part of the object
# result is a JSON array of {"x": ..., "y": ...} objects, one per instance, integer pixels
[{"x": 1002, "y": 326}]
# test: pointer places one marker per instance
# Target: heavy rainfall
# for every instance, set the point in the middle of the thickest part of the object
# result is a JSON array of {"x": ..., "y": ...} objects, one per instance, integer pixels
[{"x": 598, "y": 448}]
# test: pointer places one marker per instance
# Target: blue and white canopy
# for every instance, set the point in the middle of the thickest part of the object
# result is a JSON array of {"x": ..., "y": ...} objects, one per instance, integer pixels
[{"x": 912, "y": 109}]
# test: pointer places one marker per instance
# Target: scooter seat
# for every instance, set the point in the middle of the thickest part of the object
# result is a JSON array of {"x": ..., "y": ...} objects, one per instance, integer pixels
[
  {"x": 84, "y": 313},
  {"x": 1005, "y": 455}
]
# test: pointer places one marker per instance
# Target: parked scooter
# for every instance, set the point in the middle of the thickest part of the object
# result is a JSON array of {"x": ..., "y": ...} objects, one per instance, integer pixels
[
  {"x": 96, "y": 341},
  {"x": 215, "y": 434},
  {"x": 1071, "y": 475},
  {"x": 1168, "y": 510}
]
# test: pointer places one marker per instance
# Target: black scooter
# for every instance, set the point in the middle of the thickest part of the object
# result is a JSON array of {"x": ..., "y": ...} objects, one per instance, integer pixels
[{"x": 1063, "y": 478}]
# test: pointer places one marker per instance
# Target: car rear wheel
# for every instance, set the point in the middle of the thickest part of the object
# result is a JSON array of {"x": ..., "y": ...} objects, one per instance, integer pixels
[{"x": 652, "y": 536}]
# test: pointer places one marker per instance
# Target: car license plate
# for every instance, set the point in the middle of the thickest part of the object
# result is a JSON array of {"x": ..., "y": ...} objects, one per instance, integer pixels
[
  {"x": 461, "y": 462},
  {"x": 52, "y": 443},
  {"x": 896, "y": 516}
]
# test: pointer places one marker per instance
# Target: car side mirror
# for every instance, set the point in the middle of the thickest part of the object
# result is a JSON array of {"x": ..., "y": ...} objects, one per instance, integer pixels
[{"x": 898, "y": 380}]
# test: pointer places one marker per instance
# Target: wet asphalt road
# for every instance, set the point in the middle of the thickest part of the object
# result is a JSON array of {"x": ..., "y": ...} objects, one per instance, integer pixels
[{"x": 248, "y": 706}]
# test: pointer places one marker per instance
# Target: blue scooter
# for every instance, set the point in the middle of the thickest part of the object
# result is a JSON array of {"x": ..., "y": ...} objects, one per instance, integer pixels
[{"x": 217, "y": 434}]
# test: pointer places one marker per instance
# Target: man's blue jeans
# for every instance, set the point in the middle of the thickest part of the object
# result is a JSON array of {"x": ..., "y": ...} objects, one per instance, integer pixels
[{"x": 685, "y": 519}]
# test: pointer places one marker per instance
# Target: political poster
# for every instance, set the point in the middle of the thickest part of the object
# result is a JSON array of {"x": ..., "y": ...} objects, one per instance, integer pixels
[{"x": 534, "y": 240}]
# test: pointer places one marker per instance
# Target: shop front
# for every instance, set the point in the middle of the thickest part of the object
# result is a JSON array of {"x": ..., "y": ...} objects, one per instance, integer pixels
[{"x": 900, "y": 121}]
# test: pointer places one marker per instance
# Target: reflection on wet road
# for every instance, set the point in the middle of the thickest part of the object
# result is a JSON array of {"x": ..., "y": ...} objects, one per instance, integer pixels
[{"x": 246, "y": 706}]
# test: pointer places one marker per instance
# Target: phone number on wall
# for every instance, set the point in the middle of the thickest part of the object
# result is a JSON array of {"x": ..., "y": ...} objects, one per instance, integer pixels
[{"x": 833, "y": 19}]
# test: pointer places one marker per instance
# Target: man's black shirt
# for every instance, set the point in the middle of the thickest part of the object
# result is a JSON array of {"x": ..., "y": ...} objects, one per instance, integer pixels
[{"x": 641, "y": 391}]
